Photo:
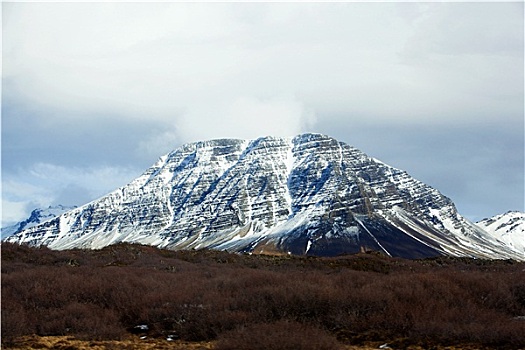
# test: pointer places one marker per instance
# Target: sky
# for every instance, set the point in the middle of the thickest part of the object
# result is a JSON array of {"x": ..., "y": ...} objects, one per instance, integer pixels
[{"x": 94, "y": 93}]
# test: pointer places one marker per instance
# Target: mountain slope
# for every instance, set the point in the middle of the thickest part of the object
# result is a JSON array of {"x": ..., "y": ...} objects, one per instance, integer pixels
[
  {"x": 308, "y": 195},
  {"x": 36, "y": 217},
  {"x": 508, "y": 228}
]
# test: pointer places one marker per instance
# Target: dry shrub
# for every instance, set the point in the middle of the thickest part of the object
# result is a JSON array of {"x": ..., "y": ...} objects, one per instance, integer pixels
[
  {"x": 14, "y": 321},
  {"x": 84, "y": 321},
  {"x": 280, "y": 335},
  {"x": 208, "y": 295}
]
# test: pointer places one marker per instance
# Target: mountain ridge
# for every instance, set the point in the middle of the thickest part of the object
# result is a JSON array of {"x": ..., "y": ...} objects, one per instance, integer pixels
[
  {"x": 508, "y": 227},
  {"x": 37, "y": 216},
  {"x": 310, "y": 194}
]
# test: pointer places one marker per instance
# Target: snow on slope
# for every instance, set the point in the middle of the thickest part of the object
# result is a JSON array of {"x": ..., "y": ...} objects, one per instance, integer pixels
[
  {"x": 36, "y": 217},
  {"x": 310, "y": 194},
  {"x": 508, "y": 227}
]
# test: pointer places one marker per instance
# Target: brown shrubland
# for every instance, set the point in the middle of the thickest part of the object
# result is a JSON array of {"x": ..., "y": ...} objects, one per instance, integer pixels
[{"x": 241, "y": 301}]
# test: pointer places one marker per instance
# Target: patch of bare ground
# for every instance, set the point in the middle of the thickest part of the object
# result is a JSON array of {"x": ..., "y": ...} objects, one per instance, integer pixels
[
  {"x": 135, "y": 343},
  {"x": 132, "y": 343}
]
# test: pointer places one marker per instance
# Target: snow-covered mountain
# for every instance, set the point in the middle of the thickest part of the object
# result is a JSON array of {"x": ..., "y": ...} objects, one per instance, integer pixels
[
  {"x": 36, "y": 217},
  {"x": 508, "y": 228},
  {"x": 310, "y": 194}
]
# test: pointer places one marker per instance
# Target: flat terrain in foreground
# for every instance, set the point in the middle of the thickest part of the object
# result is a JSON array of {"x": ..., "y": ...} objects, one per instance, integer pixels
[
  {"x": 111, "y": 298},
  {"x": 135, "y": 343}
]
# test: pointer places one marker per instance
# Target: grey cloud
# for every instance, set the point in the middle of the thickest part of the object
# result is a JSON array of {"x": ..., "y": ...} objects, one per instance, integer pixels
[
  {"x": 345, "y": 56},
  {"x": 36, "y": 134},
  {"x": 71, "y": 195},
  {"x": 426, "y": 87}
]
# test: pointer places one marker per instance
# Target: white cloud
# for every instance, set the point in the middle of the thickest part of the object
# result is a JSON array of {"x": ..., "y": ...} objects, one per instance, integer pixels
[
  {"x": 247, "y": 118},
  {"x": 97, "y": 179},
  {"x": 489, "y": 28},
  {"x": 193, "y": 71},
  {"x": 160, "y": 143},
  {"x": 179, "y": 62},
  {"x": 12, "y": 212}
]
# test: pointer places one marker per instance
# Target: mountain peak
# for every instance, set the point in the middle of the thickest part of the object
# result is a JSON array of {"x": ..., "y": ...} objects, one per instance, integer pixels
[
  {"x": 508, "y": 227},
  {"x": 309, "y": 194}
]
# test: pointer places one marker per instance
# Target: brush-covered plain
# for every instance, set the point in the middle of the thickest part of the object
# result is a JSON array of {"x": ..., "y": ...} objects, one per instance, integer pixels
[{"x": 237, "y": 301}]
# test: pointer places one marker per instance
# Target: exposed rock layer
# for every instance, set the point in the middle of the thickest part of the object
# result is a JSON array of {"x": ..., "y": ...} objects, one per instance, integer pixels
[{"x": 308, "y": 195}]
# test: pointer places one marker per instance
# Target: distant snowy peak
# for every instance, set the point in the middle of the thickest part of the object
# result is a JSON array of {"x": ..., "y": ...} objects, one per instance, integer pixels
[
  {"x": 508, "y": 227},
  {"x": 36, "y": 217}
]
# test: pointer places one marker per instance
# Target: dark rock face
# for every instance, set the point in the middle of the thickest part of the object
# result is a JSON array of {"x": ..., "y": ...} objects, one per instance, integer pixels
[{"x": 308, "y": 195}]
